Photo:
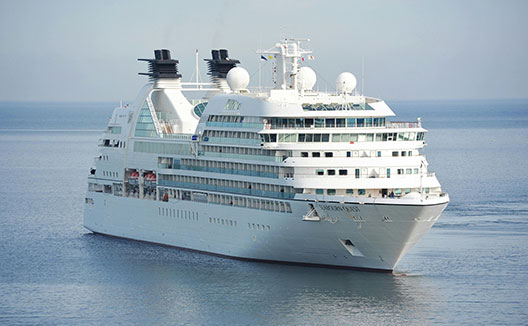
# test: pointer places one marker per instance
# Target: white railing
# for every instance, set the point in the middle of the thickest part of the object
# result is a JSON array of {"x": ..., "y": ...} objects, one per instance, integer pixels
[{"x": 404, "y": 124}]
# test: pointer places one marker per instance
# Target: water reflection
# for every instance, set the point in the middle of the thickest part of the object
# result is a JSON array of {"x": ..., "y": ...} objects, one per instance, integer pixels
[{"x": 172, "y": 285}]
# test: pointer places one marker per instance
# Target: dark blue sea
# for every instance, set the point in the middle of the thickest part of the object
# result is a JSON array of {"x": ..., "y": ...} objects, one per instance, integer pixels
[{"x": 471, "y": 269}]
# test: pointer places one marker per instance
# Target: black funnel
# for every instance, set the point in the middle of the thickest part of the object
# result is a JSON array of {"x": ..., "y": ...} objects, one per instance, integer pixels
[
  {"x": 162, "y": 66},
  {"x": 220, "y": 64}
]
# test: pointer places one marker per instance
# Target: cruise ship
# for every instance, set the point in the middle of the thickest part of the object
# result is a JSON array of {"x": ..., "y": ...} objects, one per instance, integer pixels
[{"x": 285, "y": 174}]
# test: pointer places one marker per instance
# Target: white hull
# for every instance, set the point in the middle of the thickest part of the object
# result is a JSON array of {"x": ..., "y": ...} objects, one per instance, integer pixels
[{"x": 379, "y": 234}]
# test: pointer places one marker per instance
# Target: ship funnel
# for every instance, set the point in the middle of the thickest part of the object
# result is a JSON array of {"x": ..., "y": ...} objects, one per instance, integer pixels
[
  {"x": 162, "y": 66},
  {"x": 219, "y": 66}
]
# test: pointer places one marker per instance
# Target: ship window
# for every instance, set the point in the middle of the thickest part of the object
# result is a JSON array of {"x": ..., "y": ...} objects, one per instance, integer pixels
[
  {"x": 403, "y": 153},
  {"x": 319, "y": 172},
  {"x": 350, "y": 191},
  {"x": 145, "y": 124},
  {"x": 379, "y": 154},
  {"x": 409, "y": 153},
  {"x": 331, "y": 172},
  {"x": 331, "y": 192},
  {"x": 360, "y": 122},
  {"x": 113, "y": 130},
  {"x": 304, "y": 154},
  {"x": 340, "y": 123},
  {"x": 394, "y": 153},
  {"x": 308, "y": 123},
  {"x": 330, "y": 123},
  {"x": 426, "y": 190},
  {"x": 301, "y": 138},
  {"x": 199, "y": 108},
  {"x": 348, "y": 154},
  {"x": 388, "y": 173},
  {"x": 400, "y": 171},
  {"x": 357, "y": 173},
  {"x": 319, "y": 123},
  {"x": 416, "y": 171},
  {"x": 351, "y": 122},
  {"x": 343, "y": 172},
  {"x": 408, "y": 171},
  {"x": 329, "y": 154},
  {"x": 361, "y": 191},
  {"x": 309, "y": 138},
  {"x": 325, "y": 138},
  {"x": 319, "y": 191},
  {"x": 316, "y": 154}
]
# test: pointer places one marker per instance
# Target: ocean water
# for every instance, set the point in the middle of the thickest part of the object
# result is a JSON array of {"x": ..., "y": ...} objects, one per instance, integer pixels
[{"x": 471, "y": 269}]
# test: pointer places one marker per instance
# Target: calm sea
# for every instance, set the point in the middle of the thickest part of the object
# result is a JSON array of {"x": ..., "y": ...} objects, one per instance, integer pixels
[{"x": 471, "y": 269}]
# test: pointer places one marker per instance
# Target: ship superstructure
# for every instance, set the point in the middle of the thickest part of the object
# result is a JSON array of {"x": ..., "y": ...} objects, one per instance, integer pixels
[{"x": 287, "y": 175}]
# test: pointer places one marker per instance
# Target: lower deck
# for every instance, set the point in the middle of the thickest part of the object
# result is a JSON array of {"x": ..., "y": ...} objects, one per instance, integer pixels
[{"x": 372, "y": 236}]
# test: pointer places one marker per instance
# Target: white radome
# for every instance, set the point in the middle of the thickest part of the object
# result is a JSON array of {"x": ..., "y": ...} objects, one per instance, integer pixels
[
  {"x": 345, "y": 83},
  {"x": 237, "y": 79},
  {"x": 306, "y": 78}
]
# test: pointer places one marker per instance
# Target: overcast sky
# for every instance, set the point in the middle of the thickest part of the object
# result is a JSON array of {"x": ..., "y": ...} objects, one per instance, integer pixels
[{"x": 87, "y": 50}]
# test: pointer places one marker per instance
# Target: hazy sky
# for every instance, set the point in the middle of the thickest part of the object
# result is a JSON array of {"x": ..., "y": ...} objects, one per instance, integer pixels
[{"x": 87, "y": 50}]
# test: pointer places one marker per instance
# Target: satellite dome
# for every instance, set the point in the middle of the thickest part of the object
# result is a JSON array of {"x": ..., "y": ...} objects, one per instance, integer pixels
[
  {"x": 306, "y": 78},
  {"x": 237, "y": 79},
  {"x": 345, "y": 83}
]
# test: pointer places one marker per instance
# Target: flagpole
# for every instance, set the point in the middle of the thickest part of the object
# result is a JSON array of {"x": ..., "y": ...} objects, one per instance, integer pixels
[{"x": 260, "y": 78}]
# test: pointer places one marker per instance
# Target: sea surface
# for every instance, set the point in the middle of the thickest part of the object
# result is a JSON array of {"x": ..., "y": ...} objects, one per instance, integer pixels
[{"x": 470, "y": 269}]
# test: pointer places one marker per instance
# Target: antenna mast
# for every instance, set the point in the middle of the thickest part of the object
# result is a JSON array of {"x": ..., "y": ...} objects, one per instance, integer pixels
[
  {"x": 363, "y": 76},
  {"x": 197, "y": 71}
]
